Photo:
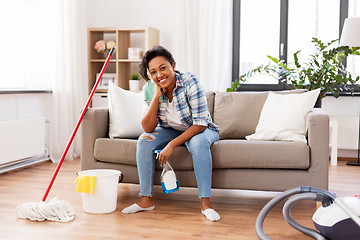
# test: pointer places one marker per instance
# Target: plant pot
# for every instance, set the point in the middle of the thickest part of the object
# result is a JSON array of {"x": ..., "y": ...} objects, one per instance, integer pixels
[
  {"x": 318, "y": 103},
  {"x": 134, "y": 85}
]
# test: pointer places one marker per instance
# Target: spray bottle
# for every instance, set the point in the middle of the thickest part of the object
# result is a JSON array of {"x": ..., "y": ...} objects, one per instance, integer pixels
[{"x": 168, "y": 179}]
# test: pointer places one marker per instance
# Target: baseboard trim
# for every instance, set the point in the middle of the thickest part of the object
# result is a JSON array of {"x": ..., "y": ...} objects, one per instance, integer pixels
[{"x": 23, "y": 163}]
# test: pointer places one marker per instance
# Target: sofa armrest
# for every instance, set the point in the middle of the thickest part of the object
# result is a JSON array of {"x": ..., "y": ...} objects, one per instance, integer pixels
[
  {"x": 318, "y": 140},
  {"x": 95, "y": 125}
]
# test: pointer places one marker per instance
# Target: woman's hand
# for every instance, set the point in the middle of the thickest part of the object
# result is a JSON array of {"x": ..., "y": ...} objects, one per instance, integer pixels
[
  {"x": 185, "y": 136},
  {"x": 165, "y": 154},
  {"x": 149, "y": 121},
  {"x": 158, "y": 91}
]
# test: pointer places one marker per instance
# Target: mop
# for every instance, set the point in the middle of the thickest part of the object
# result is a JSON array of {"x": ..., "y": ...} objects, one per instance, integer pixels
[{"x": 58, "y": 210}]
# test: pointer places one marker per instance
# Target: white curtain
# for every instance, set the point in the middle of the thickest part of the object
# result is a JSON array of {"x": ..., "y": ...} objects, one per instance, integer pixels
[
  {"x": 203, "y": 41},
  {"x": 70, "y": 87}
]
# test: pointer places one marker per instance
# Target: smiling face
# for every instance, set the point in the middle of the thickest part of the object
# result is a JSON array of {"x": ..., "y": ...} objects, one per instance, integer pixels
[{"x": 162, "y": 72}]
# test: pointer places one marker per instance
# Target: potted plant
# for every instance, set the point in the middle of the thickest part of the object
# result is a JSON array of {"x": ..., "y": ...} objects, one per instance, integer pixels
[
  {"x": 324, "y": 69},
  {"x": 134, "y": 82}
]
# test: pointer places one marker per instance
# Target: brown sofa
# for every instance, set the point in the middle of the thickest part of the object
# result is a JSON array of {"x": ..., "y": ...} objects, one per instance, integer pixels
[{"x": 237, "y": 163}]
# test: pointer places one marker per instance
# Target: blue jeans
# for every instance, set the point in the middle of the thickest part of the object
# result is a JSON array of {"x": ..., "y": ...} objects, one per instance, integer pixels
[{"x": 198, "y": 146}]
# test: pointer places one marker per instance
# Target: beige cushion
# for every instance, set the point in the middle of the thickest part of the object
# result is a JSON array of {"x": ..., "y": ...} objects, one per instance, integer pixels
[
  {"x": 226, "y": 154},
  {"x": 234, "y": 153},
  {"x": 123, "y": 151},
  {"x": 115, "y": 150},
  {"x": 210, "y": 102},
  {"x": 237, "y": 113}
]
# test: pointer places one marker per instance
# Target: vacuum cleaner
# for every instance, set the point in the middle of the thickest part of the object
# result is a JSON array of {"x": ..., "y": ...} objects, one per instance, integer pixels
[{"x": 336, "y": 219}]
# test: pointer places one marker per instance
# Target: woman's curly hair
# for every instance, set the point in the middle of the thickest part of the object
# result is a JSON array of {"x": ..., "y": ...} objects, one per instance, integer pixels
[{"x": 150, "y": 54}]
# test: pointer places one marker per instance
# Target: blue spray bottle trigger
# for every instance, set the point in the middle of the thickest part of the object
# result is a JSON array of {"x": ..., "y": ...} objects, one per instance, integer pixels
[
  {"x": 157, "y": 152},
  {"x": 169, "y": 183}
]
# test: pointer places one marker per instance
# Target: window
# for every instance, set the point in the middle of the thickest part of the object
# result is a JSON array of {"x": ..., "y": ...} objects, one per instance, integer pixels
[
  {"x": 282, "y": 27},
  {"x": 353, "y": 62},
  {"x": 259, "y": 34},
  {"x": 12, "y": 23},
  {"x": 28, "y": 41},
  {"x": 308, "y": 19}
]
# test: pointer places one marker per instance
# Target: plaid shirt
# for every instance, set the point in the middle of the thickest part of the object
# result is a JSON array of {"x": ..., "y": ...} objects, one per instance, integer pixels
[{"x": 190, "y": 102}]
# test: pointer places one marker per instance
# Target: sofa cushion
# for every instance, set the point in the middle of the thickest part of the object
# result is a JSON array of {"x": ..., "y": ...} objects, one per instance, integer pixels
[
  {"x": 210, "y": 102},
  {"x": 260, "y": 154},
  {"x": 123, "y": 151},
  {"x": 284, "y": 117},
  {"x": 237, "y": 113},
  {"x": 226, "y": 154},
  {"x": 125, "y": 109},
  {"x": 115, "y": 150}
]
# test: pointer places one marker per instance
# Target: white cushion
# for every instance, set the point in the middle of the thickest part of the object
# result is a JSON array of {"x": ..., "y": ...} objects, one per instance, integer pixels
[
  {"x": 283, "y": 117},
  {"x": 125, "y": 110}
]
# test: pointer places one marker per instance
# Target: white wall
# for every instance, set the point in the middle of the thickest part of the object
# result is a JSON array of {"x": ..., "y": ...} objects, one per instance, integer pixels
[
  {"x": 345, "y": 110},
  {"x": 158, "y": 14}
]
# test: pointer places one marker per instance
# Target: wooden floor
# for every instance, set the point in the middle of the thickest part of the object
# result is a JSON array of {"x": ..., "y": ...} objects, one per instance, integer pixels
[{"x": 177, "y": 215}]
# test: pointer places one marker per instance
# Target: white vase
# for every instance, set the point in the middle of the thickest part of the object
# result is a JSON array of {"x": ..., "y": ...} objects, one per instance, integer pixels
[{"x": 134, "y": 85}]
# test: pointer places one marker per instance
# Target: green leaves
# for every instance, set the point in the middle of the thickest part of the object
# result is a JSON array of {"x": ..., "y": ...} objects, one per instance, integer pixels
[
  {"x": 275, "y": 60},
  {"x": 323, "y": 69},
  {"x": 229, "y": 90},
  {"x": 262, "y": 69},
  {"x": 296, "y": 59}
]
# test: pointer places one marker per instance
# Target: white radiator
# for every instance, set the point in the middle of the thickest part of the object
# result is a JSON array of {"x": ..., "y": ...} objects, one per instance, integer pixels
[{"x": 21, "y": 139}]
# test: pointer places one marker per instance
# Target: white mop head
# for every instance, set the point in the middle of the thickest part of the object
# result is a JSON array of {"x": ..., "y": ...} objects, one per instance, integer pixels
[{"x": 55, "y": 210}]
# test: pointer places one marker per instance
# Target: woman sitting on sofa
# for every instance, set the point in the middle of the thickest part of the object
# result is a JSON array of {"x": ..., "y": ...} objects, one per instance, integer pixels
[{"x": 176, "y": 113}]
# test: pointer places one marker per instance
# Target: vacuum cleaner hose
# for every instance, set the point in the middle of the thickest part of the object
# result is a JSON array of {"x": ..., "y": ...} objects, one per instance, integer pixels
[
  {"x": 307, "y": 192},
  {"x": 266, "y": 209},
  {"x": 288, "y": 218}
]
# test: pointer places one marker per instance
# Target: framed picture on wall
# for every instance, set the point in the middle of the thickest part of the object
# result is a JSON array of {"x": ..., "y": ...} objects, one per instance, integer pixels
[{"x": 106, "y": 78}]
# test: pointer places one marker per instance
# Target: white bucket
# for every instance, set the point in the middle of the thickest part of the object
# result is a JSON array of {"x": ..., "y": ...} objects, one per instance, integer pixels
[{"x": 105, "y": 194}]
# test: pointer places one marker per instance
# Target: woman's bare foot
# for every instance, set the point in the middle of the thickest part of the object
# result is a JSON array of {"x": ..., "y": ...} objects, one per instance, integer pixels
[
  {"x": 205, "y": 203},
  {"x": 145, "y": 202}
]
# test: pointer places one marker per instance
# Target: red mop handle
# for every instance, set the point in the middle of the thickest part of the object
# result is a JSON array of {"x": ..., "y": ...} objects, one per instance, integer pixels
[{"x": 78, "y": 124}]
